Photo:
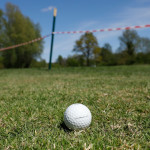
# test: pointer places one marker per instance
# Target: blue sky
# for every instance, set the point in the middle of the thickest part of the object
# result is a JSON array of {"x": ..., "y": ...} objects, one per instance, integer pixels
[{"x": 84, "y": 15}]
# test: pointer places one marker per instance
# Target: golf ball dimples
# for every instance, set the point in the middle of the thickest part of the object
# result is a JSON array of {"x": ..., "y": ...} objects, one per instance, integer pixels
[{"x": 77, "y": 116}]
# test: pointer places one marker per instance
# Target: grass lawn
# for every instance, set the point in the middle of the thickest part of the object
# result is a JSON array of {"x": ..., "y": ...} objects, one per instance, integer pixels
[{"x": 32, "y": 103}]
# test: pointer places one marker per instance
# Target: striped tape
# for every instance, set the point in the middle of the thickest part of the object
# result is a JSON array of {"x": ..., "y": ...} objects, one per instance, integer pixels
[
  {"x": 26, "y": 43},
  {"x": 104, "y": 30},
  {"x": 74, "y": 32}
]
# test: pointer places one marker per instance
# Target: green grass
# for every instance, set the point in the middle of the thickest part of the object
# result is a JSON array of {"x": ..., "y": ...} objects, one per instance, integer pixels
[{"x": 32, "y": 103}]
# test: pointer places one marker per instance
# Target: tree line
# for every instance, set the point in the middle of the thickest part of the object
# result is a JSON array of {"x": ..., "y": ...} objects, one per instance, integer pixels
[
  {"x": 133, "y": 49},
  {"x": 15, "y": 28}
]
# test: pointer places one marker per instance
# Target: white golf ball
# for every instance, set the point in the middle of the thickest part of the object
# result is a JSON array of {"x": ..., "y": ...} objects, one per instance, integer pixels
[{"x": 77, "y": 116}]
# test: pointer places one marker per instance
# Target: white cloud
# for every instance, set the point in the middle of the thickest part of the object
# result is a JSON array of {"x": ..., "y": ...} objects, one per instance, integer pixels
[
  {"x": 50, "y": 8},
  {"x": 87, "y": 24},
  {"x": 137, "y": 15}
]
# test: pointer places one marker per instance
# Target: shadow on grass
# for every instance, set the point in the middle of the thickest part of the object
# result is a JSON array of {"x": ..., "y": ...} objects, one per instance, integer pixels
[{"x": 62, "y": 126}]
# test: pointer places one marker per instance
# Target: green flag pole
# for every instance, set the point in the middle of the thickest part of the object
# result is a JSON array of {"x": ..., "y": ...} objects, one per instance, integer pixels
[{"x": 52, "y": 39}]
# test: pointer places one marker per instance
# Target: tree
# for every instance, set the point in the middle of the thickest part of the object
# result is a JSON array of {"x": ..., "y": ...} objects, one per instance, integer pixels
[
  {"x": 129, "y": 44},
  {"x": 3, "y": 37},
  {"x": 60, "y": 60},
  {"x": 143, "y": 58},
  {"x": 20, "y": 29},
  {"x": 144, "y": 45},
  {"x": 97, "y": 56},
  {"x": 108, "y": 47},
  {"x": 86, "y": 46},
  {"x": 107, "y": 55},
  {"x": 72, "y": 61},
  {"x": 38, "y": 63},
  {"x": 1, "y": 26}
]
